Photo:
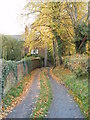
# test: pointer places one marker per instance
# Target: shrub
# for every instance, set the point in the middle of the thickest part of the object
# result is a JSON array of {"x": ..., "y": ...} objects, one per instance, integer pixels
[
  {"x": 66, "y": 63},
  {"x": 79, "y": 72},
  {"x": 77, "y": 64}
]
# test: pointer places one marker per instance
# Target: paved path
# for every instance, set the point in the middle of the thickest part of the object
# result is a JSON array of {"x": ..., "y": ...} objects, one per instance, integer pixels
[
  {"x": 24, "y": 109},
  {"x": 63, "y": 105}
]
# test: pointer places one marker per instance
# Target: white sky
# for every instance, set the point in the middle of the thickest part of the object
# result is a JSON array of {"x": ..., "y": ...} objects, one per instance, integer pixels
[{"x": 10, "y": 20}]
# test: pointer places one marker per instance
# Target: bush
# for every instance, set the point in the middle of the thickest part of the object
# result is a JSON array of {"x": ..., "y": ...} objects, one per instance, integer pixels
[
  {"x": 66, "y": 63},
  {"x": 77, "y": 64},
  {"x": 79, "y": 72}
]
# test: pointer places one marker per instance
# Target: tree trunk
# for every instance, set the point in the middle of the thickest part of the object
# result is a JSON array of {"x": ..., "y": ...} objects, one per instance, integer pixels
[
  {"x": 59, "y": 50},
  {"x": 45, "y": 60},
  {"x": 54, "y": 53},
  {"x": 75, "y": 27},
  {"x": 61, "y": 62}
]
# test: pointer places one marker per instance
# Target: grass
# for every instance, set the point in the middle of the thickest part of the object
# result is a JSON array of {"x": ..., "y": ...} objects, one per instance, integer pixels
[
  {"x": 14, "y": 93},
  {"x": 45, "y": 97},
  {"x": 78, "y": 86}
]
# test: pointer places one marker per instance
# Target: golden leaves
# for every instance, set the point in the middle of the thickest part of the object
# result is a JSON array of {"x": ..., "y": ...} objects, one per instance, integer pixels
[
  {"x": 27, "y": 82},
  {"x": 44, "y": 97}
]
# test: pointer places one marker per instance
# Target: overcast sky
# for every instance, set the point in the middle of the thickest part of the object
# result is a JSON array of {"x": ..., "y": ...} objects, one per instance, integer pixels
[{"x": 10, "y": 21}]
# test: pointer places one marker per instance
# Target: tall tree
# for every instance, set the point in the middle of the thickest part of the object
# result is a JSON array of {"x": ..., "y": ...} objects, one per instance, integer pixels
[
  {"x": 60, "y": 19},
  {"x": 77, "y": 13}
]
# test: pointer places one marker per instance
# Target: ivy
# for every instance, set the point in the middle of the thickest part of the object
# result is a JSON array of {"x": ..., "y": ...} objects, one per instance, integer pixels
[
  {"x": 81, "y": 38},
  {"x": 12, "y": 65},
  {"x": 28, "y": 62},
  {"x": 24, "y": 65},
  {"x": 60, "y": 45}
]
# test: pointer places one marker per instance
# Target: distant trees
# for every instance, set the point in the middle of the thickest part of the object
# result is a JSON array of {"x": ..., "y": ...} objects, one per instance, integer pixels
[{"x": 11, "y": 48}]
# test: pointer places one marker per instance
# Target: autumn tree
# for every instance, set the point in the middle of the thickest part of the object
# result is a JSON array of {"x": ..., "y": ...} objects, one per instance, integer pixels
[
  {"x": 57, "y": 23},
  {"x": 77, "y": 13}
]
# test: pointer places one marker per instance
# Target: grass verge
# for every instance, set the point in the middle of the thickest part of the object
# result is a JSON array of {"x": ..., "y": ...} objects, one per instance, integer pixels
[
  {"x": 45, "y": 97},
  {"x": 16, "y": 94},
  {"x": 78, "y": 86}
]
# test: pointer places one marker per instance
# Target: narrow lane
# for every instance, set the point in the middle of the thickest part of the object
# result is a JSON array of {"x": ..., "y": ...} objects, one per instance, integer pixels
[
  {"x": 24, "y": 109},
  {"x": 63, "y": 105}
]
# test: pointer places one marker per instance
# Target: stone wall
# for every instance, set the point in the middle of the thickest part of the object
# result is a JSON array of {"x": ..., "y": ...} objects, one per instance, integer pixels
[
  {"x": 9, "y": 82},
  {"x": 22, "y": 69}
]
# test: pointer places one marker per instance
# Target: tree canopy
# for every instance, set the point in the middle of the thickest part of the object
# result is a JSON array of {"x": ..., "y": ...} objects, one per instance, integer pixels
[{"x": 61, "y": 23}]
